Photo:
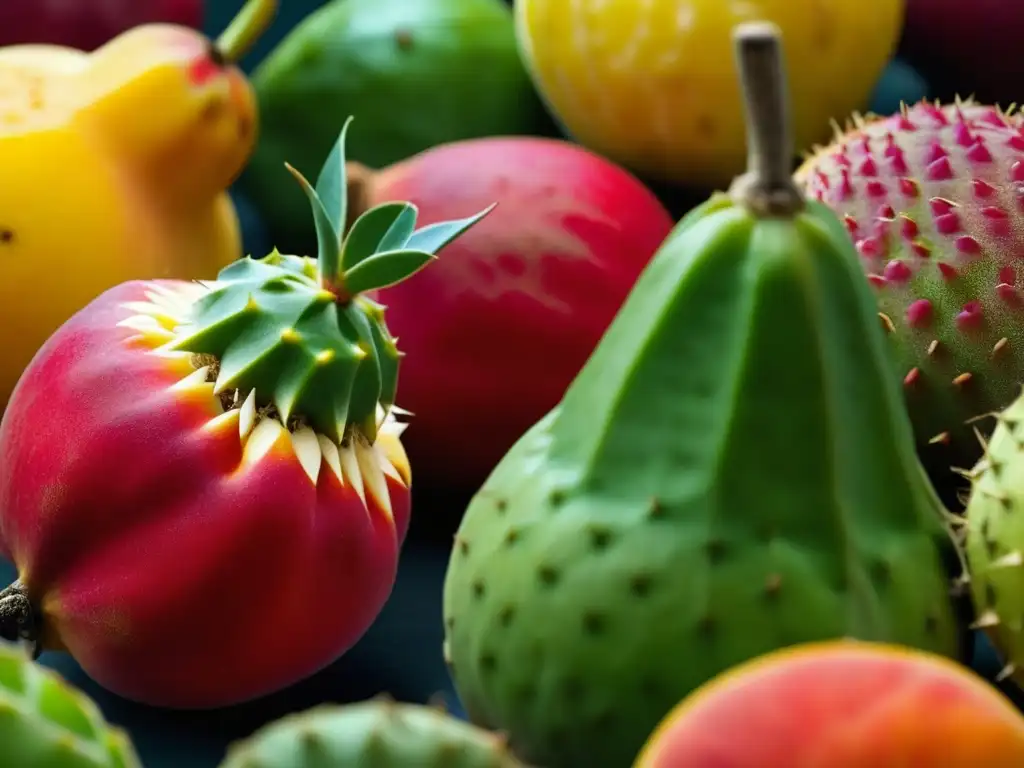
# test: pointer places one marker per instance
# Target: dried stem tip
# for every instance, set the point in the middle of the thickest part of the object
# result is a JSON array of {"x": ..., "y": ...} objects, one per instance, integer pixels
[{"x": 767, "y": 188}]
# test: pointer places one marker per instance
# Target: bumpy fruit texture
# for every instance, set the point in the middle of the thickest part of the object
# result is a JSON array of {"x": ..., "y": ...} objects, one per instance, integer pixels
[
  {"x": 932, "y": 199},
  {"x": 45, "y": 723},
  {"x": 103, "y": 187},
  {"x": 995, "y": 539},
  {"x": 841, "y": 705},
  {"x": 650, "y": 84},
  {"x": 375, "y": 734},
  {"x": 203, "y": 487},
  {"x": 517, "y": 304},
  {"x": 733, "y": 471}
]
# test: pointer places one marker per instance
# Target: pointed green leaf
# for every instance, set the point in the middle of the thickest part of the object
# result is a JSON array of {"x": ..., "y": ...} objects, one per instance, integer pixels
[
  {"x": 332, "y": 184},
  {"x": 329, "y": 256},
  {"x": 433, "y": 238},
  {"x": 384, "y": 269},
  {"x": 384, "y": 228}
]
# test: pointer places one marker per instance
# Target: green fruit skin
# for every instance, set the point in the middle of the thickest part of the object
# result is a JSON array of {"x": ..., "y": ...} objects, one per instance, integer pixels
[
  {"x": 45, "y": 723},
  {"x": 374, "y": 734},
  {"x": 414, "y": 73},
  {"x": 994, "y": 541},
  {"x": 733, "y": 471}
]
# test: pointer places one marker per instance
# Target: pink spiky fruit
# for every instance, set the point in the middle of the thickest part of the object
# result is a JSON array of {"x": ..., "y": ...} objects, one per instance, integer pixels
[{"x": 933, "y": 198}]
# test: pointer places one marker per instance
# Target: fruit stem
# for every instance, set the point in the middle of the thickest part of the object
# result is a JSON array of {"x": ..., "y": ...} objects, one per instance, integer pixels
[
  {"x": 18, "y": 618},
  {"x": 767, "y": 188},
  {"x": 245, "y": 29}
]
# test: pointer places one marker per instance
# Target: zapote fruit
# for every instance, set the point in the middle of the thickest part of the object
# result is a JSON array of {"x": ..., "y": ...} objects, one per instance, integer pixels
[
  {"x": 520, "y": 302},
  {"x": 381, "y": 733},
  {"x": 933, "y": 198},
  {"x": 733, "y": 470},
  {"x": 202, "y": 484},
  {"x": 841, "y": 704}
]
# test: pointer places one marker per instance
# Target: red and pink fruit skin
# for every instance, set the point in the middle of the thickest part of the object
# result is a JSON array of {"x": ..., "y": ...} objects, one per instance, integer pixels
[
  {"x": 970, "y": 46},
  {"x": 88, "y": 24},
  {"x": 499, "y": 326},
  {"x": 841, "y": 704},
  {"x": 175, "y": 571}
]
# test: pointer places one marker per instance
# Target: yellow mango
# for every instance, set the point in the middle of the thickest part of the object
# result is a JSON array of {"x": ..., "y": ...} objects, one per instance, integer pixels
[
  {"x": 651, "y": 83},
  {"x": 114, "y": 167}
]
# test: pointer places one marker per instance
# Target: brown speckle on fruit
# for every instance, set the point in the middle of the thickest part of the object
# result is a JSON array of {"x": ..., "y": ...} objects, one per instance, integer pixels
[{"x": 6, "y": 236}]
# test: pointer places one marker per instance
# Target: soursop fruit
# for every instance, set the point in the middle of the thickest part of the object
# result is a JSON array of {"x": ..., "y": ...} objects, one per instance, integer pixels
[
  {"x": 375, "y": 734},
  {"x": 733, "y": 471},
  {"x": 45, "y": 723}
]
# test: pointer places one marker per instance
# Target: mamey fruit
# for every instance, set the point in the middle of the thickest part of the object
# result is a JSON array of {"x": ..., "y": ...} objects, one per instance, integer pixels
[
  {"x": 373, "y": 734},
  {"x": 732, "y": 471},
  {"x": 650, "y": 84},
  {"x": 931, "y": 197},
  {"x": 81, "y": 128},
  {"x": 518, "y": 304},
  {"x": 994, "y": 541},
  {"x": 45, "y": 723},
  {"x": 449, "y": 68},
  {"x": 87, "y": 26},
  {"x": 967, "y": 46},
  {"x": 225, "y": 509},
  {"x": 841, "y": 704}
]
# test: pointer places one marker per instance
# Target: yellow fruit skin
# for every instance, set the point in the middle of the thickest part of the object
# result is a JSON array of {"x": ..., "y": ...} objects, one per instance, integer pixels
[
  {"x": 115, "y": 167},
  {"x": 652, "y": 83}
]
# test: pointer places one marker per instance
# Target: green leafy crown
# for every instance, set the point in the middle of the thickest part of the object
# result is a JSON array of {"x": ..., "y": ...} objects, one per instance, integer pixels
[{"x": 297, "y": 331}]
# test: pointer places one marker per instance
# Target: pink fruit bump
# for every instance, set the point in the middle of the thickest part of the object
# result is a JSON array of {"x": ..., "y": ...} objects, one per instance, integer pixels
[{"x": 933, "y": 198}]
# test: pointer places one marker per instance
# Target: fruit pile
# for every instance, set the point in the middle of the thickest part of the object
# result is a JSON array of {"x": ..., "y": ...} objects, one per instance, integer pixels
[{"x": 718, "y": 451}]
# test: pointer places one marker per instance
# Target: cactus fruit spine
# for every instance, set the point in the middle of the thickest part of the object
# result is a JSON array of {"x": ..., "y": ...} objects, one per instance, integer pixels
[
  {"x": 994, "y": 540},
  {"x": 733, "y": 471},
  {"x": 931, "y": 197},
  {"x": 374, "y": 734},
  {"x": 45, "y": 723}
]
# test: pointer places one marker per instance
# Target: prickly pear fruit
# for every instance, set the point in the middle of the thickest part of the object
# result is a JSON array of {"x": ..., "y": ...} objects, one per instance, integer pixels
[
  {"x": 373, "y": 734},
  {"x": 841, "y": 704},
  {"x": 732, "y": 471},
  {"x": 45, "y": 723},
  {"x": 931, "y": 197},
  {"x": 994, "y": 539}
]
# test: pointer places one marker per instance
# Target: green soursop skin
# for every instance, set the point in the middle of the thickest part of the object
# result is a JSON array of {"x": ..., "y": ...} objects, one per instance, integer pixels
[
  {"x": 994, "y": 539},
  {"x": 45, "y": 723},
  {"x": 373, "y": 734},
  {"x": 733, "y": 471}
]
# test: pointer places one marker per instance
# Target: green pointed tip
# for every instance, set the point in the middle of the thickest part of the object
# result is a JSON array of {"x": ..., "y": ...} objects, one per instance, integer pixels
[{"x": 328, "y": 241}]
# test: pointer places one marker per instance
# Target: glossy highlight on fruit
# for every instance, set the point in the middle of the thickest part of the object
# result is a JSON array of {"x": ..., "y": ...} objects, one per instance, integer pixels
[
  {"x": 841, "y": 704},
  {"x": 202, "y": 486},
  {"x": 931, "y": 198},
  {"x": 732, "y": 472}
]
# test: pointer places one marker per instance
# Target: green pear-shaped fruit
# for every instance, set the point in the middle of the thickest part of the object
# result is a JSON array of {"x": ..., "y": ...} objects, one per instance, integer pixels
[
  {"x": 373, "y": 734},
  {"x": 45, "y": 723},
  {"x": 733, "y": 471}
]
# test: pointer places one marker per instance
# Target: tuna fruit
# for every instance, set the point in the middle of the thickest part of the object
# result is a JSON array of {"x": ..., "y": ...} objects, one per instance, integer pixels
[
  {"x": 732, "y": 471},
  {"x": 374, "y": 734},
  {"x": 45, "y": 723},
  {"x": 933, "y": 197},
  {"x": 994, "y": 539},
  {"x": 202, "y": 485},
  {"x": 841, "y": 704},
  {"x": 516, "y": 305}
]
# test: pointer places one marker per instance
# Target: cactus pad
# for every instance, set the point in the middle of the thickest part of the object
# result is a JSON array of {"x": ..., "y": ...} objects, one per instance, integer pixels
[
  {"x": 374, "y": 734},
  {"x": 45, "y": 723}
]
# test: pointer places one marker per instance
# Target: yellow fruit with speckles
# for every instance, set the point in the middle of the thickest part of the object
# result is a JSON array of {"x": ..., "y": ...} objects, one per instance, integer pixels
[{"x": 651, "y": 83}]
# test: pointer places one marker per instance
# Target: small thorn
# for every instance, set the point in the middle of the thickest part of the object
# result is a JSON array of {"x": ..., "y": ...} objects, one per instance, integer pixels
[
  {"x": 1000, "y": 346},
  {"x": 887, "y": 323},
  {"x": 933, "y": 348},
  {"x": 943, "y": 438},
  {"x": 1009, "y": 560},
  {"x": 290, "y": 336},
  {"x": 987, "y": 619},
  {"x": 962, "y": 380},
  {"x": 1006, "y": 672}
]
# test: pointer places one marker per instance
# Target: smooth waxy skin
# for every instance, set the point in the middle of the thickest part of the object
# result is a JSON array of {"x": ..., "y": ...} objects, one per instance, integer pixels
[
  {"x": 214, "y": 570},
  {"x": 652, "y": 85},
  {"x": 373, "y": 734},
  {"x": 841, "y": 705},
  {"x": 45, "y": 723},
  {"x": 103, "y": 187},
  {"x": 732, "y": 470}
]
